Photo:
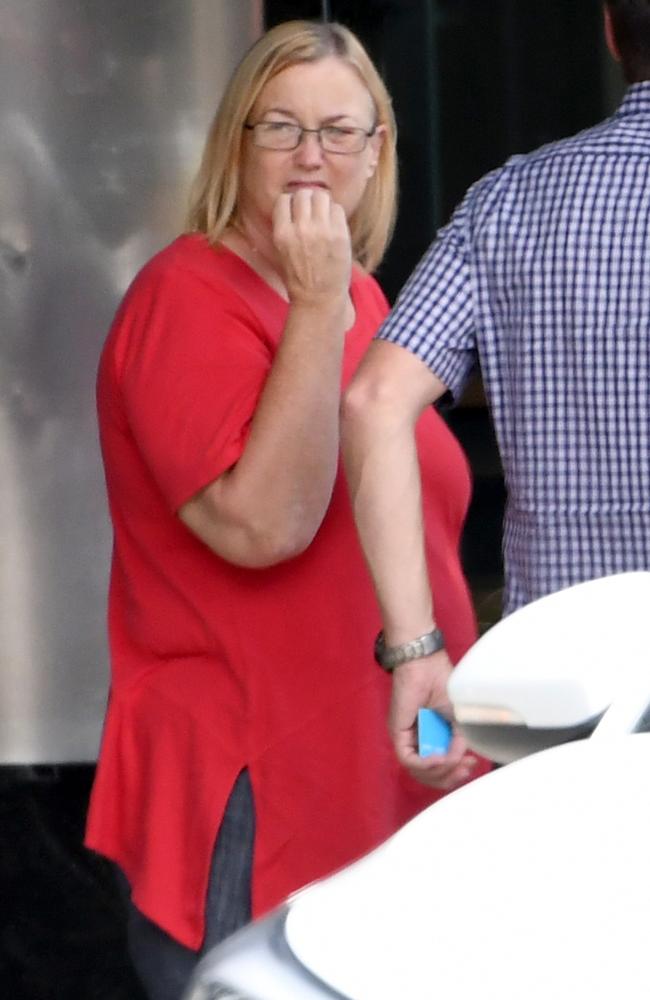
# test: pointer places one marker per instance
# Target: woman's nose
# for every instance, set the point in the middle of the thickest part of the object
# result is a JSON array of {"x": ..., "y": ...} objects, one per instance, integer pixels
[{"x": 309, "y": 150}]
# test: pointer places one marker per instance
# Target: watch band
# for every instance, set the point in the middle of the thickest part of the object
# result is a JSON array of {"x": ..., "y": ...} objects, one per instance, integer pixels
[{"x": 390, "y": 657}]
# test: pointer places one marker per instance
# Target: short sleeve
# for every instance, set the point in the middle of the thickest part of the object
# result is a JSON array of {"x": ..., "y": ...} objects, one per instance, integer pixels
[
  {"x": 434, "y": 315},
  {"x": 193, "y": 364}
]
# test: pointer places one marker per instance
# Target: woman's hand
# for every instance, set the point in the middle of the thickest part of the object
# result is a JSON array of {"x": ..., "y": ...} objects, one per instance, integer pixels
[
  {"x": 311, "y": 235},
  {"x": 423, "y": 684}
]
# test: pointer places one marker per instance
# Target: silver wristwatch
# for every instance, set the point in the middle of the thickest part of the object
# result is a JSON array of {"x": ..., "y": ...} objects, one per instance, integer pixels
[{"x": 390, "y": 657}]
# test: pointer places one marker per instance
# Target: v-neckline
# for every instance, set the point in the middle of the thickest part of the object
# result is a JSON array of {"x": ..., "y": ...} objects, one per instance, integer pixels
[{"x": 254, "y": 278}]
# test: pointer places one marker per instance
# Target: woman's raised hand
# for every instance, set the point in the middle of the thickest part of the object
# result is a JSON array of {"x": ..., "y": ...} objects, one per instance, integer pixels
[{"x": 311, "y": 235}]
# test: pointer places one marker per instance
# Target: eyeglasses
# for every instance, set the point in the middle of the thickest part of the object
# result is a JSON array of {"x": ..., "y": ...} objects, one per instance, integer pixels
[{"x": 332, "y": 138}]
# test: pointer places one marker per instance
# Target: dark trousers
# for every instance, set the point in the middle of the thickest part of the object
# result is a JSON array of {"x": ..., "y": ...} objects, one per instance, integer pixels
[{"x": 163, "y": 965}]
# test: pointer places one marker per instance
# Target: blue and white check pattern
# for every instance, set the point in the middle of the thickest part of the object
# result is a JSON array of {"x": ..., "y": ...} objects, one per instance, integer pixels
[{"x": 543, "y": 277}]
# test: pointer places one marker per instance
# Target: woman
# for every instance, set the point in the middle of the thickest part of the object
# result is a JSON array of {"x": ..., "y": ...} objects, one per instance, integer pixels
[{"x": 246, "y": 709}]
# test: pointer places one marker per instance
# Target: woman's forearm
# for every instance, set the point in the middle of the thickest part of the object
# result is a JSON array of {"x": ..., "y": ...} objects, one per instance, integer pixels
[
  {"x": 378, "y": 434},
  {"x": 268, "y": 507}
]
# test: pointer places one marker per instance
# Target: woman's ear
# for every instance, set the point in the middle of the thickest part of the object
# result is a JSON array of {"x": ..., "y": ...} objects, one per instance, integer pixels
[{"x": 375, "y": 142}]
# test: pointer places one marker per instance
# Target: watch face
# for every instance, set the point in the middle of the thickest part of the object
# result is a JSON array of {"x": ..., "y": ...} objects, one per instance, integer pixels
[{"x": 380, "y": 651}]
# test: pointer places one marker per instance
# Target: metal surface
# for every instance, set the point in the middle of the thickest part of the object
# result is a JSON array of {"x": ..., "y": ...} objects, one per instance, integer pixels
[
  {"x": 103, "y": 108},
  {"x": 256, "y": 962}
]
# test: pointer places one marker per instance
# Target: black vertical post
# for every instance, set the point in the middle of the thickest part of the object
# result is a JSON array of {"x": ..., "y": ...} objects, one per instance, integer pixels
[{"x": 406, "y": 51}]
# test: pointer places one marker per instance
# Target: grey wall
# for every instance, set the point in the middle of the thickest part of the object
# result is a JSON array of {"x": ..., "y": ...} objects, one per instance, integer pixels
[{"x": 103, "y": 108}]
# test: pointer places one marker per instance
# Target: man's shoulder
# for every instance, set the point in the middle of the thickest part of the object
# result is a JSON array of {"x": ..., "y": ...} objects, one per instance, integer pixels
[
  {"x": 512, "y": 177},
  {"x": 597, "y": 138}
]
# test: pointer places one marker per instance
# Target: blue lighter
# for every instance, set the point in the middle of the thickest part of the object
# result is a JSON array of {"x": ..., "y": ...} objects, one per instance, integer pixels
[{"x": 434, "y": 733}]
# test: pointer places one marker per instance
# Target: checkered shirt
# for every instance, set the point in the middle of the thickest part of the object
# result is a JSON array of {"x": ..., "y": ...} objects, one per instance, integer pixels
[{"x": 542, "y": 276}]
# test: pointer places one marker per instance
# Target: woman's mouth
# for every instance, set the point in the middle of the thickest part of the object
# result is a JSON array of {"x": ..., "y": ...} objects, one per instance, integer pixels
[{"x": 296, "y": 185}]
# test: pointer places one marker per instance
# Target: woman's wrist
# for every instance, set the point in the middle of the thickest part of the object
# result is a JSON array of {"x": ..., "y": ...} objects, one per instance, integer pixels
[{"x": 390, "y": 656}]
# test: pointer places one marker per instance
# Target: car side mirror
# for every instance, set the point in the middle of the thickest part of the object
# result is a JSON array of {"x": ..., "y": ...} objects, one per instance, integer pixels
[{"x": 569, "y": 665}]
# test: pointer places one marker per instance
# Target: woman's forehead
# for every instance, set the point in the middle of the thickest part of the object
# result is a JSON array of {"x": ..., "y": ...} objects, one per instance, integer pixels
[{"x": 328, "y": 87}]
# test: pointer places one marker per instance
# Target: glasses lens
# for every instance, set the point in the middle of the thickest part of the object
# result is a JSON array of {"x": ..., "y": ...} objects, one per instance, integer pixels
[
  {"x": 285, "y": 135},
  {"x": 342, "y": 140},
  {"x": 276, "y": 135}
]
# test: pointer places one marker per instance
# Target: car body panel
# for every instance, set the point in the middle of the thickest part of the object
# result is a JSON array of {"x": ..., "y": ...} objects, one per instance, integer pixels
[
  {"x": 257, "y": 962},
  {"x": 532, "y": 881}
]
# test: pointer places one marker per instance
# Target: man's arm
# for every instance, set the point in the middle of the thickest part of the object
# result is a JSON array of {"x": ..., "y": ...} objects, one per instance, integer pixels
[{"x": 380, "y": 410}]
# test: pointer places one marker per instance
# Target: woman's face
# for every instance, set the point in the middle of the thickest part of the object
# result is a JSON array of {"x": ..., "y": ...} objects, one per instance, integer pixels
[{"x": 327, "y": 92}]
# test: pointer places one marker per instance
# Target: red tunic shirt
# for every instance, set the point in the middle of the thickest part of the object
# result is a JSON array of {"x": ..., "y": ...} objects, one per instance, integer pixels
[{"x": 214, "y": 667}]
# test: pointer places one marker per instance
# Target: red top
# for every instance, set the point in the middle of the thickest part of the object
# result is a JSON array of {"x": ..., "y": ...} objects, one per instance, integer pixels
[{"x": 214, "y": 667}]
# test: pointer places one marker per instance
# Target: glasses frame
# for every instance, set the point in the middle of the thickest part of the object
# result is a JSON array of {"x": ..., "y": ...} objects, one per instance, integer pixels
[{"x": 301, "y": 130}]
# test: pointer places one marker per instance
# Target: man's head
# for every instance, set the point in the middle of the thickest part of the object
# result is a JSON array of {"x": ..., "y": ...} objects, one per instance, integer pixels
[{"x": 627, "y": 27}]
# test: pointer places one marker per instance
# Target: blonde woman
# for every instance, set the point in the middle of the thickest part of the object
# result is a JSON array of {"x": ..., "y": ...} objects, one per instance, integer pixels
[{"x": 245, "y": 751}]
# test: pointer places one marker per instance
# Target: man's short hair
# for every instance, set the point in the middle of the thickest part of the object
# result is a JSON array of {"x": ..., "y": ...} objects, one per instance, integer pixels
[{"x": 631, "y": 24}]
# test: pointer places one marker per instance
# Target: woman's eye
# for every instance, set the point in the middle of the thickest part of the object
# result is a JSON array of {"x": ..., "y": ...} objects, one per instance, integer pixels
[
  {"x": 279, "y": 127},
  {"x": 337, "y": 134}
]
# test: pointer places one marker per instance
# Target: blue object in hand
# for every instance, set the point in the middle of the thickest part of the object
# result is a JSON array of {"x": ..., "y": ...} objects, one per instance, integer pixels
[{"x": 434, "y": 733}]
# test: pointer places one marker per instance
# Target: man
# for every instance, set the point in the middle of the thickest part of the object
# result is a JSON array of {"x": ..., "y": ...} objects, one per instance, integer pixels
[{"x": 543, "y": 275}]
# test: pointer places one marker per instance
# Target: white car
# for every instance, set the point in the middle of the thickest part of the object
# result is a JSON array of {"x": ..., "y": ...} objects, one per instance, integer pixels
[{"x": 530, "y": 882}]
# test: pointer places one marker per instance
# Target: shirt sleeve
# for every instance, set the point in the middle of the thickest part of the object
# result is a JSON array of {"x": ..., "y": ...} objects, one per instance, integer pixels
[
  {"x": 193, "y": 367},
  {"x": 434, "y": 313}
]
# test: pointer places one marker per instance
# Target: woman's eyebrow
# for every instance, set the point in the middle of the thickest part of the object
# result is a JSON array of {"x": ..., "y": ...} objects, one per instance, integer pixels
[
  {"x": 279, "y": 111},
  {"x": 337, "y": 118},
  {"x": 292, "y": 114}
]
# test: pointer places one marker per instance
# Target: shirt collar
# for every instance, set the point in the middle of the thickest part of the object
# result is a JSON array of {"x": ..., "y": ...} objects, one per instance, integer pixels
[{"x": 636, "y": 100}]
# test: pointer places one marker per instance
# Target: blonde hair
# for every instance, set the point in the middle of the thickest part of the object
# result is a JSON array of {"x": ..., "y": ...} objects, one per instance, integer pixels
[{"x": 213, "y": 201}]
